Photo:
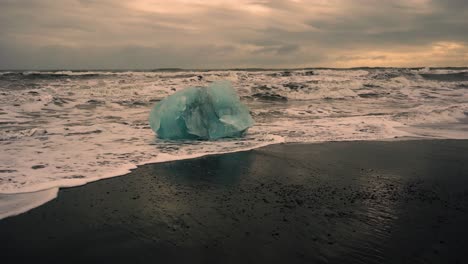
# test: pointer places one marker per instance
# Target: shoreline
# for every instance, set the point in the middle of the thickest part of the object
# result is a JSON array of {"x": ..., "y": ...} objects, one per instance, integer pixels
[
  {"x": 21, "y": 197},
  {"x": 127, "y": 168},
  {"x": 71, "y": 183},
  {"x": 339, "y": 202}
]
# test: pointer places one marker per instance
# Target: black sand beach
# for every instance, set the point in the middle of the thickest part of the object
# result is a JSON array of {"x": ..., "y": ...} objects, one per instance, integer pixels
[{"x": 343, "y": 202}]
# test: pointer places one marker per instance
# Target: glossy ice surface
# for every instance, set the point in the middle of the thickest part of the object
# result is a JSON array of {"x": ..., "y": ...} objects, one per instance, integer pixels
[{"x": 211, "y": 112}]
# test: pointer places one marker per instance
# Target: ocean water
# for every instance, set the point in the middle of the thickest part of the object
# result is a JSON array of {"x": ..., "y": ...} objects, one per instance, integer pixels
[{"x": 67, "y": 128}]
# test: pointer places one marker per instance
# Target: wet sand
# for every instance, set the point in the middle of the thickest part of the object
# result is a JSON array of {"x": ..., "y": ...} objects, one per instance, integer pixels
[{"x": 339, "y": 202}]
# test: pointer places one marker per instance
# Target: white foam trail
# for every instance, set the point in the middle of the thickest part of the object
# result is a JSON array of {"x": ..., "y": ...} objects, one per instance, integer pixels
[
  {"x": 126, "y": 168},
  {"x": 12, "y": 204},
  {"x": 15, "y": 204}
]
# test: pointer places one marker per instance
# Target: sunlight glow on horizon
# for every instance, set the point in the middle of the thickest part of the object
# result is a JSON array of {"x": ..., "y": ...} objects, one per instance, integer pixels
[{"x": 230, "y": 33}]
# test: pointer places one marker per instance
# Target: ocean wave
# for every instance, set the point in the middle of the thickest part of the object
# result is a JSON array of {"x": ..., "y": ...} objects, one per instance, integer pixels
[
  {"x": 60, "y": 74},
  {"x": 58, "y": 130},
  {"x": 447, "y": 77}
]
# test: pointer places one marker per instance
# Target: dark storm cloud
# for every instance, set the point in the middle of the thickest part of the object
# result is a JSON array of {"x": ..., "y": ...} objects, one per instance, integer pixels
[{"x": 212, "y": 33}]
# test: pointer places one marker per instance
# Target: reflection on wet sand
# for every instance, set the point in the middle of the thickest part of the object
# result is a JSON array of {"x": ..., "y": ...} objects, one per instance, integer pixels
[{"x": 343, "y": 202}]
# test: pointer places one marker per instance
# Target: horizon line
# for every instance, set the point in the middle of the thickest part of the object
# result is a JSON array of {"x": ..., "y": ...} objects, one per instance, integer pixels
[{"x": 233, "y": 69}]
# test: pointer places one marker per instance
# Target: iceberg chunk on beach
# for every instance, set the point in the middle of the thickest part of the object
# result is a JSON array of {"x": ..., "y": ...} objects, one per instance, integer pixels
[{"x": 211, "y": 112}]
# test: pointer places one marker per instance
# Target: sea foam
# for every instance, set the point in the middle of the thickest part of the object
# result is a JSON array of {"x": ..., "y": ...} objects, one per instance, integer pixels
[{"x": 70, "y": 128}]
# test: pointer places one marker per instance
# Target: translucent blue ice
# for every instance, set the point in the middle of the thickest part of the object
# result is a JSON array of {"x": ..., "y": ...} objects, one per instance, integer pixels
[{"x": 201, "y": 113}]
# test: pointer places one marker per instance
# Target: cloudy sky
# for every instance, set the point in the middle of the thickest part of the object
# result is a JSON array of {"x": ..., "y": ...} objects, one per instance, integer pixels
[{"x": 146, "y": 34}]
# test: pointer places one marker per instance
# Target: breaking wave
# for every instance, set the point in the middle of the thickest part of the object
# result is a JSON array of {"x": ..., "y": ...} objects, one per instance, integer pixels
[{"x": 66, "y": 128}]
